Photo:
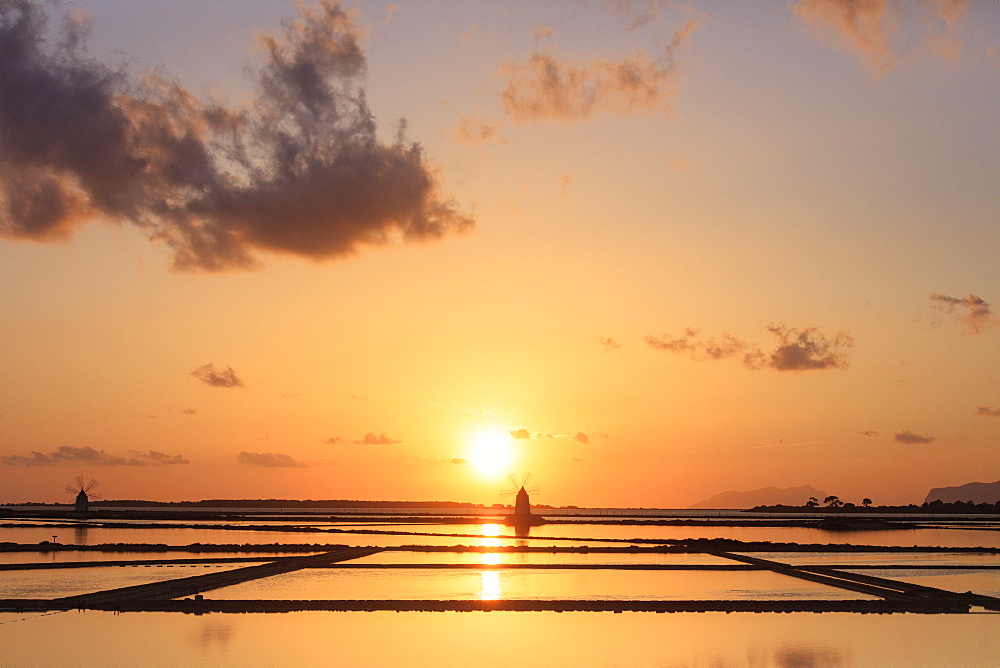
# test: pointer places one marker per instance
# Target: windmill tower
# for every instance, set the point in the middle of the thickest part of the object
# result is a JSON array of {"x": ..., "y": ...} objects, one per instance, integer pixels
[
  {"x": 522, "y": 501},
  {"x": 83, "y": 493}
]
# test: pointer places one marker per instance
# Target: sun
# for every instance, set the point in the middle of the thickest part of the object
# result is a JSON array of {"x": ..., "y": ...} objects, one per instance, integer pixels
[{"x": 490, "y": 453}]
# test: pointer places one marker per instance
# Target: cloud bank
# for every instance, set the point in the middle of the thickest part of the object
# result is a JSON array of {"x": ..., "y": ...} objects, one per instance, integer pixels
[
  {"x": 87, "y": 455},
  {"x": 299, "y": 171}
]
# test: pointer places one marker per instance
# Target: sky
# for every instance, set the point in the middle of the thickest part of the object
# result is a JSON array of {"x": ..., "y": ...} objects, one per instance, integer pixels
[{"x": 646, "y": 251}]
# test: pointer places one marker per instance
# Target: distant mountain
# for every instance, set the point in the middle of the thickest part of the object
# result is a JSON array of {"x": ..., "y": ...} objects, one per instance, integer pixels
[
  {"x": 768, "y": 496},
  {"x": 977, "y": 492}
]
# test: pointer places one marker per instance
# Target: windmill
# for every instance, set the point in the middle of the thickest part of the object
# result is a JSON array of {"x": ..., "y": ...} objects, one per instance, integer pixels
[
  {"x": 520, "y": 491},
  {"x": 83, "y": 493}
]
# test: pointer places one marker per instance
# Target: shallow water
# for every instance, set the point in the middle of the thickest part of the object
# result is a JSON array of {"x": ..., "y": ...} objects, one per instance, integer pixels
[
  {"x": 499, "y": 639},
  {"x": 71, "y": 582},
  {"x": 555, "y": 534},
  {"x": 464, "y": 584}
]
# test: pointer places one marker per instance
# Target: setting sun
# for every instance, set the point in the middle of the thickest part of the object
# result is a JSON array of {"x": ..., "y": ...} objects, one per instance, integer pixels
[{"x": 490, "y": 453}]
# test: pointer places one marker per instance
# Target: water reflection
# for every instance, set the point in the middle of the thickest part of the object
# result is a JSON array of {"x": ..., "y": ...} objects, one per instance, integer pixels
[
  {"x": 80, "y": 534},
  {"x": 491, "y": 587}
]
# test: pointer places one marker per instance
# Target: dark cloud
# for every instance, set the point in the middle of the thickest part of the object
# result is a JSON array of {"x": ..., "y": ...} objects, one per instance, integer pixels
[
  {"x": 520, "y": 432},
  {"x": 987, "y": 411},
  {"x": 803, "y": 349},
  {"x": 299, "y": 171},
  {"x": 91, "y": 456},
  {"x": 868, "y": 432},
  {"x": 209, "y": 375},
  {"x": 334, "y": 440},
  {"x": 269, "y": 460},
  {"x": 372, "y": 438},
  {"x": 908, "y": 438},
  {"x": 974, "y": 312},
  {"x": 581, "y": 437},
  {"x": 609, "y": 343}
]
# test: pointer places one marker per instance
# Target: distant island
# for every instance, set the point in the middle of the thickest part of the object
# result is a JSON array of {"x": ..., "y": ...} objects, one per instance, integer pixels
[
  {"x": 791, "y": 496},
  {"x": 975, "y": 492}
]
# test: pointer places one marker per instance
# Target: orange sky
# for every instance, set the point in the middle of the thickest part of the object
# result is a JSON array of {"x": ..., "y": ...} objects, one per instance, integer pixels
[{"x": 679, "y": 249}]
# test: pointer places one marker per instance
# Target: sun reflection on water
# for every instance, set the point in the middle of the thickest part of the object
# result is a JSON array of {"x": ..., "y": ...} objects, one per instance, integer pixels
[{"x": 491, "y": 579}]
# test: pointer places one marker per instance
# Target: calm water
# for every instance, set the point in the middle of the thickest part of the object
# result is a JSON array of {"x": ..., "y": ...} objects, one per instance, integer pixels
[
  {"x": 543, "y": 535},
  {"x": 499, "y": 639}
]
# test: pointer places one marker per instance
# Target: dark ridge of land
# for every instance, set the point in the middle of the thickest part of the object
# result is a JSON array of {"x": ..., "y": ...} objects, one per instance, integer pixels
[
  {"x": 933, "y": 508},
  {"x": 204, "y": 606},
  {"x": 678, "y": 546}
]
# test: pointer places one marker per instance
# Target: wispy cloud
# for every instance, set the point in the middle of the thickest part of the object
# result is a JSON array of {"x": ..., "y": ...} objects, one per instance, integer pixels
[
  {"x": 299, "y": 170},
  {"x": 372, "y": 438},
  {"x": 68, "y": 454},
  {"x": 269, "y": 460},
  {"x": 987, "y": 411},
  {"x": 209, "y": 375},
  {"x": 609, "y": 343},
  {"x": 477, "y": 412},
  {"x": 880, "y": 30},
  {"x": 973, "y": 312},
  {"x": 189, "y": 411},
  {"x": 548, "y": 88},
  {"x": 910, "y": 438},
  {"x": 868, "y": 432},
  {"x": 797, "y": 350},
  {"x": 472, "y": 131},
  {"x": 334, "y": 440}
]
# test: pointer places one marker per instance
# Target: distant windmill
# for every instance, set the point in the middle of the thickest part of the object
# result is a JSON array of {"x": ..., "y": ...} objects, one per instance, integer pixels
[
  {"x": 83, "y": 493},
  {"x": 520, "y": 492}
]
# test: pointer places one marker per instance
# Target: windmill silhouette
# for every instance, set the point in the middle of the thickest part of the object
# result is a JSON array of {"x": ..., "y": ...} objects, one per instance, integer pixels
[
  {"x": 83, "y": 493},
  {"x": 522, "y": 502}
]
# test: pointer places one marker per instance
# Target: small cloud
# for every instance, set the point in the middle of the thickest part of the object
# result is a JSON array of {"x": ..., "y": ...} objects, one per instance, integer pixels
[
  {"x": 581, "y": 437},
  {"x": 477, "y": 412},
  {"x": 544, "y": 32},
  {"x": 564, "y": 181},
  {"x": 471, "y": 131},
  {"x": 909, "y": 438},
  {"x": 868, "y": 432},
  {"x": 609, "y": 343},
  {"x": 987, "y": 411},
  {"x": 91, "y": 456},
  {"x": 459, "y": 460},
  {"x": 372, "y": 438},
  {"x": 803, "y": 349},
  {"x": 390, "y": 10},
  {"x": 189, "y": 411},
  {"x": 974, "y": 312},
  {"x": 334, "y": 440},
  {"x": 520, "y": 432},
  {"x": 209, "y": 375},
  {"x": 269, "y": 460},
  {"x": 467, "y": 36}
]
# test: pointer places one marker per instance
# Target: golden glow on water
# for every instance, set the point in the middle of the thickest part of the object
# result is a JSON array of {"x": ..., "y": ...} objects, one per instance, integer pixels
[
  {"x": 491, "y": 533},
  {"x": 491, "y": 559},
  {"x": 491, "y": 587}
]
